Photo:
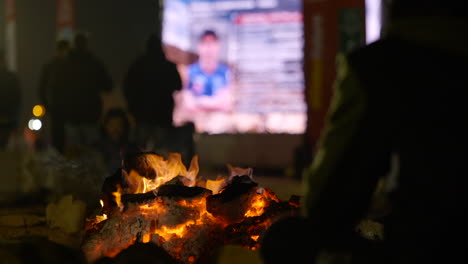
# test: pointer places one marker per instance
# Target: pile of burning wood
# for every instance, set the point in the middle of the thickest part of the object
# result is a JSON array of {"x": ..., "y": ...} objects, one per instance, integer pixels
[{"x": 158, "y": 200}]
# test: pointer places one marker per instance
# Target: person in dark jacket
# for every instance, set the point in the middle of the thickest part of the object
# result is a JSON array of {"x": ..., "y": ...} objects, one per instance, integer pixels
[
  {"x": 86, "y": 78},
  {"x": 114, "y": 139},
  {"x": 50, "y": 90},
  {"x": 148, "y": 88},
  {"x": 398, "y": 109},
  {"x": 10, "y": 101}
]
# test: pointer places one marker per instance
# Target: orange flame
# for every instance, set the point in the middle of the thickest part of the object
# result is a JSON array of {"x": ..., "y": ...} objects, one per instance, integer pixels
[
  {"x": 192, "y": 173},
  {"x": 270, "y": 195},
  {"x": 146, "y": 238},
  {"x": 216, "y": 185},
  {"x": 257, "y": 206},
  {"x": 181, "y": 230},
  {"x": 100, "y": 218},
  {"x": 157, "y": 208},
  {"x": 165, "y": 171},
  {"x": 118, "y": 195}
]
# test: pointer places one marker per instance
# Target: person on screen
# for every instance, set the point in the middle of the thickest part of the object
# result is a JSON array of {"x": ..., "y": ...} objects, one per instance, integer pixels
[{"x": 208, "y": 78}]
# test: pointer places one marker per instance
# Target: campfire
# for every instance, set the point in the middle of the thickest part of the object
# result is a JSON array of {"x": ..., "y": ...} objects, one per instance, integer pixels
[{"x": 157, "y": 200}]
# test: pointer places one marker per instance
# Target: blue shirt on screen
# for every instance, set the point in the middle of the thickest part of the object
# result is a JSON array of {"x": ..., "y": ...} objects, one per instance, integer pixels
[{"x": 201, "y": 83}]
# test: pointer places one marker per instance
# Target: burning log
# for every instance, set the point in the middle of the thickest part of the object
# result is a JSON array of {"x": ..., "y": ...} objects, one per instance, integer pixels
[
  {"x": 177, "y": 189},
  {"x": 164, "y": 221},
  {"x": 169, "y": 210},
  {"x": 250, "y": 231},
  {"x": 233, "y": 202},
  {"x": 109, "y": 187}
]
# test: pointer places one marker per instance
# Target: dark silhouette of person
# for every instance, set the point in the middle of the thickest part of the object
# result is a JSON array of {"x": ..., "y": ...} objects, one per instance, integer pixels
[
  {"x": 114, "y": 138},
  {"x": 10, "y": 101},
  {"x": 148, "y": 88},
  {"x": 287, "y": 241},
  {"x": 398, "y": 109},
  {"x": 146, "y": 253},
  {"x": 41, "y": 250},
  {"x": 85, "y": 79},
  {"x": 50, "y": 90}
]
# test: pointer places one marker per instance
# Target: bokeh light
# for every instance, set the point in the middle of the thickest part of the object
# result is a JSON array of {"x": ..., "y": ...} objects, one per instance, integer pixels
[
  {"x": 38, "y": 110},
  {"x": 35, "y": 124}
]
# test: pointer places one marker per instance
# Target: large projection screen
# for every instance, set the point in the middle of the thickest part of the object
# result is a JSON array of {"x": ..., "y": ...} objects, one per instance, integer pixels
[{"x": 240, "y": 62}]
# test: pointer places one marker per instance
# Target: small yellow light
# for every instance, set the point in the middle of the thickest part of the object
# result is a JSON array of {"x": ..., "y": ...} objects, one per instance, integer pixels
[{"x": 38, "y": 110}]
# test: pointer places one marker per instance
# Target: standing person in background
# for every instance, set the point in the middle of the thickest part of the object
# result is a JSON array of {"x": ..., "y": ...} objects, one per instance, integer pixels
[
  {"x": 148, "y": 88},
  {"x": 50, "y": 91},
  {"x": 86, "y": 79},
  {"x": 10, "y": 102}
]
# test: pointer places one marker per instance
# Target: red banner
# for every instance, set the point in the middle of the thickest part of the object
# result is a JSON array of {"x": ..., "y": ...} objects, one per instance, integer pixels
[
  {"x": 10, "y": 34},
  {"x": 10, "y": 11},
  {"x": 65, "y": 16},
  {"x": 322, "y": 44}
]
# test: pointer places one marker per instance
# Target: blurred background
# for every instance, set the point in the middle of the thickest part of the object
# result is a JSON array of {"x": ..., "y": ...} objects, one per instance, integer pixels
[
  {"x": 277, "y": 129},
  {"x": 245, "y": 82}
]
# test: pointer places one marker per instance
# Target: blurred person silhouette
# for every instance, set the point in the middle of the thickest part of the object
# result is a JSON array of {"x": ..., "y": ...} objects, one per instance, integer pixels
[
  {"x": 85, "y": 80},
  {"x": 114, "y": 138},
  {"x": 398, "y": 109},
  {"x": 41, "y": 250},
  {"x": 10, "y": 102},
  {"x": 284, "y": 242},
  {"x": 145, "y": 253},
  {"x": 148, "y": 88},
  {"x": 208, "y": 85},
  {"x": 51, "y": 90}
]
